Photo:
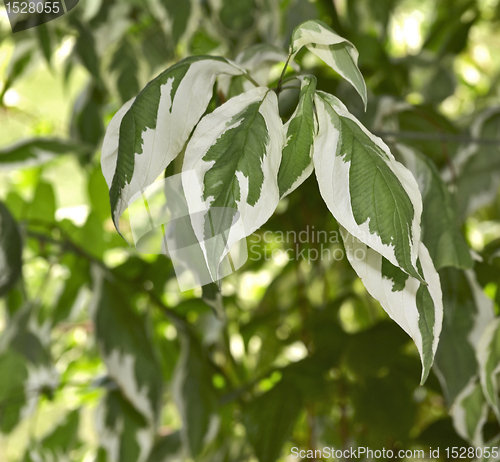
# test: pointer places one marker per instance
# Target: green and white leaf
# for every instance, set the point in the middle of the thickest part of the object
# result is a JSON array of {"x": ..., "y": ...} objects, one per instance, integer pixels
[
  {"x": 109, "y": 151},
  {"x": 156, "y": 127},
  {"x": 488, "y": 357},
  {"x": 231, "y": 163},
  {"x": 340, "y": 54},
  {"x": 26, "y": 341},
  {"x": 368, "y": 192},
  {"x": 124, "y": 433},
  {"x": 469, "y": 413},
  {"x": 296, "y": 162},
  {"x": 30, "y": 153},
  {"x": 467, "y": 312},
  {"x": 11, "y": 251},
  {"x": 440, "y": 231},
  {"x": 416, "y": 307},
  {"x": 125, "y": 347}
]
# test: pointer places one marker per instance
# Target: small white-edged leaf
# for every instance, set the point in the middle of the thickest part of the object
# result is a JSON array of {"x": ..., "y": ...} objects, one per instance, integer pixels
[
  {"x": 488, "y": 357},
  {"x": 296, "y": 163},
  {"x": 156, "y": 127},
  {"x": 340, "y": 54},
  {"x": 467, "y": 312},
  {"x": 368, "y": 192},
  {"x": 469, "y": 413},
  {"x": 416, "y": 307},
  {"x": 231, "y": 163}
]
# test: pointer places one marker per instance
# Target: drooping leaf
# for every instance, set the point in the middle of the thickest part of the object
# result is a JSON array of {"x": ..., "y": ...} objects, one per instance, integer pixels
[
  {"x": 488, "y": 357},
  {"x": 157, "y": 125},
  {"x": 37, "y": 151},
  {"x": 368, "y": 192},
  {"x": 270, "y": 418},
  {"x": 296, "y": 163},
  {"x": 195, "y": 396},
  {"x": 124, "y": 433},
  {"x": 467, "y": 312},
  {"x": 440, "y": 231},
  {"x": 11, "y": 251},
  {"x": 126, "y": 348},
  {"x": 340, "y": 54},
  {"x": 235, "y": 153},
  {"x": 416, "y": 307},
  {"x": 470, "y": 412}
]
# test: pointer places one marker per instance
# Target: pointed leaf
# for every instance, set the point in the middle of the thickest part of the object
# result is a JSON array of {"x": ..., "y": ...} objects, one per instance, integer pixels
[
  {"x": 340, "y": 54},
  {"x": 158, "y": 124},
  {"x": 469, "y": 413},
  {"x": 368, "y": 192},
  {"x": 416, "y": 307},
  {"x": 296, "y": 163},
  {"x": 235, "y": 154}
]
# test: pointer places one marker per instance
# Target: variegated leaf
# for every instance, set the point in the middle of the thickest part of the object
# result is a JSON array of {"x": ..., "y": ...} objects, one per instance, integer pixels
[
  {"x": 440, "y": 231},
  {"x": 26, "y": 342},
  {"x": 467, "y": 312},
  {"x": 157, "y": 125},
  {"x": 416, "y": 307},
  {"x": 125, "y": 435},
  {"x": 30, "y": 153},
  {"x": 368, "y": 192},
  {"x": 340, "y": 54},
  {"x": 231, "y": 165},
  {"x": 488, "y": 357},
  {"x": 296, "y": 163},
  {"x": 109, "y": 151},
  {"x": 125, "y": 347},
  {"x": 469, "y": 413}
]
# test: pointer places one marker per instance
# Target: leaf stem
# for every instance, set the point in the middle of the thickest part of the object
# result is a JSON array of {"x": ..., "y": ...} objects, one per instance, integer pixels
[{"x": 280, "y": 81}]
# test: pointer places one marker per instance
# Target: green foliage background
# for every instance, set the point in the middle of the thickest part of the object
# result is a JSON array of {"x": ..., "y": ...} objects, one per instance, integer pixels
[{"x": 302, "y": 356}]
